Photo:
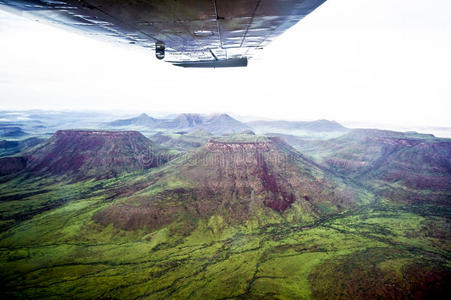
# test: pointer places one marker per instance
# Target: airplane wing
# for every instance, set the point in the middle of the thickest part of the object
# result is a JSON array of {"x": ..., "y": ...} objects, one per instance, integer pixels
[{"x": 186, "y": 33}]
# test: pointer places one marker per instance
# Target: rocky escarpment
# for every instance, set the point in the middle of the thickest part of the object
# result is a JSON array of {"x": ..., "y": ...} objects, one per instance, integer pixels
[
  {"x": 238, "y": 180},
  {"x": 100, "y": 154},
  {"x": 248, "y": 167},
  {"x": 271, "y": 170}
]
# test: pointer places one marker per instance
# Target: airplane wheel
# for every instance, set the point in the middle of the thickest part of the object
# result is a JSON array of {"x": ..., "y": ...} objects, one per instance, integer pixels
[{"x": 159, "y": 50}]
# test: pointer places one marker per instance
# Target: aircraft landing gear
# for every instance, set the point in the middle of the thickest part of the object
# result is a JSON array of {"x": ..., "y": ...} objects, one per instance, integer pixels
[{"x": 159, "y": 50}]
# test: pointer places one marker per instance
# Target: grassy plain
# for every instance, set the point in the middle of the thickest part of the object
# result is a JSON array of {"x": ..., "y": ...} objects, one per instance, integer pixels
[{"x": 51, "y": 247}]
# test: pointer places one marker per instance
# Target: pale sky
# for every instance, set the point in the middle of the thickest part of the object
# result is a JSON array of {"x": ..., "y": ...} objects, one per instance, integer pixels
[{"x": 353, "y": 61}]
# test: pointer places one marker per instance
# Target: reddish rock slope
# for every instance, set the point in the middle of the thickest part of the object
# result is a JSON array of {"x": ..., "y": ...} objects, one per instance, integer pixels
[{"x": 100, "y": 154}]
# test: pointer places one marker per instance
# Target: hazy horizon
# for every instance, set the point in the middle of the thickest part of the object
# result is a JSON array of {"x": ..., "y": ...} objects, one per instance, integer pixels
[{"x": 111, "y": 115}]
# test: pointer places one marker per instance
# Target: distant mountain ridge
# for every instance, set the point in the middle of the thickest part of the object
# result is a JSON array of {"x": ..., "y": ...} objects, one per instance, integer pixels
[
  {"x": 141, "y": 120},
  {"x": 215, "y": 124},
  {"x": 220, "y": 124},
  {"x": 319, "y": 125},
  {"x": 223, "y": 123},
  {"x": 11, "y": 132},
  {"x": 188, "y": 120}
]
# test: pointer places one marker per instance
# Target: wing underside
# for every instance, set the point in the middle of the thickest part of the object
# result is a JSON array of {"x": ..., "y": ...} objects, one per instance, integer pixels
[{"x": 197, "y": 33}]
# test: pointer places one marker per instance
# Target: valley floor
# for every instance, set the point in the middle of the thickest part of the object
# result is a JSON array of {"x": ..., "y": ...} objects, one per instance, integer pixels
[{"x": 380, "y": 250}]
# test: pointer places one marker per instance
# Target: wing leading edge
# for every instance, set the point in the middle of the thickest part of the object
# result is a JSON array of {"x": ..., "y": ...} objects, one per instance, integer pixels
[{"x": 194, "y": 33}]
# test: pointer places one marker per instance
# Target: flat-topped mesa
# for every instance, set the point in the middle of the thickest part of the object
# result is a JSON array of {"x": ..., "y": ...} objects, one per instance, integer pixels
[
  {"x": 245, "y": 149},
  {"x": 219, "y": 146},
  {"x": 93, "y": 153},
  {"x": 239, "y": 177},
  {"x": 265, "y": 166}
]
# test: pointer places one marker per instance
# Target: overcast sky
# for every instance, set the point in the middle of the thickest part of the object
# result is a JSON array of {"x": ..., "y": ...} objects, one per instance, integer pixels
[{"x": 362, "y": 61}]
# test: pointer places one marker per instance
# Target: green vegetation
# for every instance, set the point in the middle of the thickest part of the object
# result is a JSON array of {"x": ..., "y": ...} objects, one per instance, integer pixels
[
  {"x": 64, "y": 252},
  {"x": 231, "y": 219}
]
